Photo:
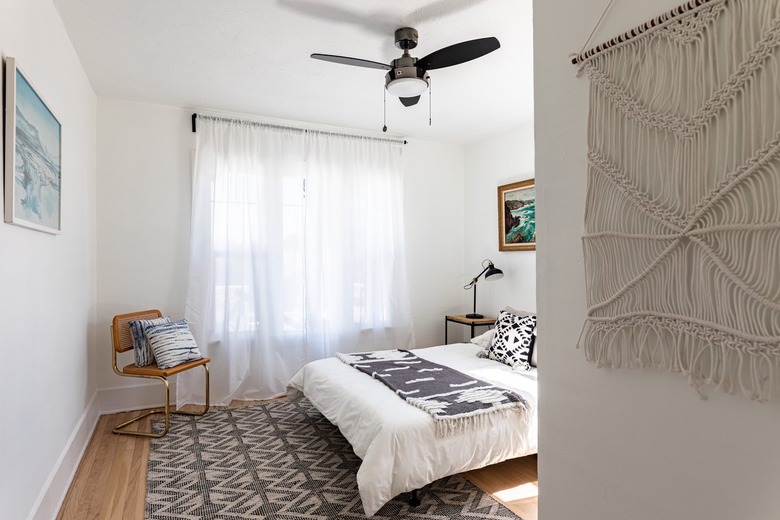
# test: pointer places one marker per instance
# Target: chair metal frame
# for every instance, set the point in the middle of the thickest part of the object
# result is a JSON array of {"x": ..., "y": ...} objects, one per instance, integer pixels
[{"x": 122, "y": 341}]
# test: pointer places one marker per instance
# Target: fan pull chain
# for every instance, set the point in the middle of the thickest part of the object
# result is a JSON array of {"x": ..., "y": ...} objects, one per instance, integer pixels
[
  {"x": 429, "y": 101},
  {"x": 384, "y": 110}
]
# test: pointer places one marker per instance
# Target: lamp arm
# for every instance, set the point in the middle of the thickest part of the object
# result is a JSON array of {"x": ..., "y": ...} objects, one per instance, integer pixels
[
  {"x": 480, "y": 274},
  {"x": 474, "y": 280},
  {"x": 471, "y": 284}
]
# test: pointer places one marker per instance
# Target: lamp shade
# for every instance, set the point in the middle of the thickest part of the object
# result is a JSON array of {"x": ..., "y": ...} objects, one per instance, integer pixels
[{"x": 493, "y": 273}]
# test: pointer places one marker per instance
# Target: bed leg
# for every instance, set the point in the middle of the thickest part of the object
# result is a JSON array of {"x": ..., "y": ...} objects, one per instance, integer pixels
[{"x": 414, "y": 501}]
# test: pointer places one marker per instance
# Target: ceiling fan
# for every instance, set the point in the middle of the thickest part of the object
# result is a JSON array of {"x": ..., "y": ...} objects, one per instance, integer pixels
[{"x": 408, "y": 76}]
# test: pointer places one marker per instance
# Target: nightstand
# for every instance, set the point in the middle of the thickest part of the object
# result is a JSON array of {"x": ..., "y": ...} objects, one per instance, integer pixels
[{"x": 463, "y": 320}]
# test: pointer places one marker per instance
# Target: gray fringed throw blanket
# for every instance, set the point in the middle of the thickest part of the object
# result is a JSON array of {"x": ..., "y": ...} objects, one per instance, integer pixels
[{"x": 454, "y": 399}]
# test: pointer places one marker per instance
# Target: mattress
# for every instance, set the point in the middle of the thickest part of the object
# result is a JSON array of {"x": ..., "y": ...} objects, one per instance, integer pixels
[{"x": 397, "y": 442}]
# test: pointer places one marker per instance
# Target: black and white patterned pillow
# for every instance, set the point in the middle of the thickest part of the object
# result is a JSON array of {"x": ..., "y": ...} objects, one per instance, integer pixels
[{"x": 514, "y": 340}]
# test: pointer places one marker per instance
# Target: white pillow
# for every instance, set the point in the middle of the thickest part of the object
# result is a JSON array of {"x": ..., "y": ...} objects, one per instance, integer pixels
[
  {"x": 484, "y": 340},
  {"x": 519, "y": 313}
]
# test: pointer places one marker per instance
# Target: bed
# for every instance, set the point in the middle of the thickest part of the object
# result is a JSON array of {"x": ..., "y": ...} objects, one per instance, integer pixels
[{"x": 397, "y": 442}]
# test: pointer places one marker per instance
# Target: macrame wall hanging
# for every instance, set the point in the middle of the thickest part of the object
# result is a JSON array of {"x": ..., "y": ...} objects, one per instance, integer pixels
[{"x": 682, "y": 219}]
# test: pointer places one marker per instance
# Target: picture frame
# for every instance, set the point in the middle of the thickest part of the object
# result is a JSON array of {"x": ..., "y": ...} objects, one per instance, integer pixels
[
  {"x": 33, "y": 151},
  {"x": 517, "y": 216}
]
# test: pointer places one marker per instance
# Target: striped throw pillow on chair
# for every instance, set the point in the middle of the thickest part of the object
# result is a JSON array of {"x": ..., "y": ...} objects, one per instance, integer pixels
[
  {"x": 142, "y": 350},
  {"x": 172, "y": 344}
]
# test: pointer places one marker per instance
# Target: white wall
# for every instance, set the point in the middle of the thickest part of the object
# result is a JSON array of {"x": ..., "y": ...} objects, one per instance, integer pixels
[
  {"x": 502, "y": 159},
  {"x": 434, "y": 235},
  {"x": 144, "y": 164},
  {"x": 47, "y": 285},
  {"x": 621, "y": 444}
]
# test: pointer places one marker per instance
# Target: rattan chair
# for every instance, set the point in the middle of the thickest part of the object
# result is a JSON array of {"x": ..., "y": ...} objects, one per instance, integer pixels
[{"x": 122, "y": 340}]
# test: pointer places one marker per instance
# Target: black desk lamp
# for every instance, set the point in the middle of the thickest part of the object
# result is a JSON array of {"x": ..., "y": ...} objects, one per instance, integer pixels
[{"x": 491, "y": 272}]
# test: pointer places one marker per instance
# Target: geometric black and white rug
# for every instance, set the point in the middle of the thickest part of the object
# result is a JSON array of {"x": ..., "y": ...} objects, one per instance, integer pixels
[{"x": 281, "y": 461}]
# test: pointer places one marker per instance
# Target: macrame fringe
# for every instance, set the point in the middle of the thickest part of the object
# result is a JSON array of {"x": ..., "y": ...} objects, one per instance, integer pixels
[
  {"x": 730, "y": 363},
  {"x": 681, "y": 240}
]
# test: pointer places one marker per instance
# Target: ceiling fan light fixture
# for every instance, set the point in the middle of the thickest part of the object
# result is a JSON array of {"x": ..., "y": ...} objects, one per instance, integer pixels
[
  {"x": 407, "y": 87},
  {"x": 406, "y": 82}
]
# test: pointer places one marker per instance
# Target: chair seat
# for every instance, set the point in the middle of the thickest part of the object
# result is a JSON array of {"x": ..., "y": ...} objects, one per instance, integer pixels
[{"x": 154, "y": 370}]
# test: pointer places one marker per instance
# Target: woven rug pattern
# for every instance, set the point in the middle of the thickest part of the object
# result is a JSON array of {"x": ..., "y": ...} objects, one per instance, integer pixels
[{"x": 280, "y": 461}]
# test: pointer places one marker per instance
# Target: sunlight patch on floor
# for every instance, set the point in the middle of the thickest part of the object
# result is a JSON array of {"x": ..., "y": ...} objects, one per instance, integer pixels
[{"x": 521, "y": 492}]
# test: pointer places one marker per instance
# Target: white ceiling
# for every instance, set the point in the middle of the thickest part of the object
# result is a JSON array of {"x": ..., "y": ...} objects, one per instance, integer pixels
[{"x": 252, "y": 57}]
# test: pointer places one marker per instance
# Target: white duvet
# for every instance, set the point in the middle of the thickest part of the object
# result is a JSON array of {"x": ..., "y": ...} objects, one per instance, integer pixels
[{"x": 397, "y": 441}]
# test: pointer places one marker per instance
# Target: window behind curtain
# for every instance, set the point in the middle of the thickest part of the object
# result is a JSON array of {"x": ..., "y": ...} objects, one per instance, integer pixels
[{"x": 297, "y": 253}]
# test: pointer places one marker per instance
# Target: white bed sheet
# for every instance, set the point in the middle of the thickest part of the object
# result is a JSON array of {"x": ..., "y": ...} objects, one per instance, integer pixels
[{"x": 398, "y": 442}]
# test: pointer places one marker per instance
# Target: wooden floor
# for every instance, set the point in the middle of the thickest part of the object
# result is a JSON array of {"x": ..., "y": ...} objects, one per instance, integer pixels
[
  {"x": 513, "y": 483},
  {"x": 110, "y": 483}
]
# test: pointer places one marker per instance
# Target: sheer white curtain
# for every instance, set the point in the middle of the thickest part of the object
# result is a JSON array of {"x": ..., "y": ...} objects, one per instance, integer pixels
[
  {"x": 355, "y": 268},
  {"x": 297, "y": 252}
]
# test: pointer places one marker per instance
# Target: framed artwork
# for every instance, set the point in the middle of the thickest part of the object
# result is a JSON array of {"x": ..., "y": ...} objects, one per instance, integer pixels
[
  {"x": 517, "y": 216},
  {"x": 33, "y": 147}
]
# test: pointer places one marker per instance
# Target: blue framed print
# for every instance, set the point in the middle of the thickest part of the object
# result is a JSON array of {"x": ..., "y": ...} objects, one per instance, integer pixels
[{"x": 33, "y": 152}]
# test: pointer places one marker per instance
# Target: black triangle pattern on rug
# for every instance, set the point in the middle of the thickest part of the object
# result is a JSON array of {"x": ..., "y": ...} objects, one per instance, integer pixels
[{"x": 281, "y": 461}]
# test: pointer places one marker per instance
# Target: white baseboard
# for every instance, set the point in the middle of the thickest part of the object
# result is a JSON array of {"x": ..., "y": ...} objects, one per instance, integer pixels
[
  {"x": 136, "y": 397},
  {"x": 50, "y": 500},
  {"x": 103, "y": 401}
]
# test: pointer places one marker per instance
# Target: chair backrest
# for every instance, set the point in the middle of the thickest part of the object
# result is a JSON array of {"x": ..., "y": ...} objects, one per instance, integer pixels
[{"x": 121, "y": 335}]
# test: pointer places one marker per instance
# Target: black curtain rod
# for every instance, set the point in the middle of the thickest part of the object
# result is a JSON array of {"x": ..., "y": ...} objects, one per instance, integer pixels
[{"x": 195, "y": 117}]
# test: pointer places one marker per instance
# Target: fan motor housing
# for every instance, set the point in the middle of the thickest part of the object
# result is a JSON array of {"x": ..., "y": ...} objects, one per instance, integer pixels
[{"x": 406, "y": 38}]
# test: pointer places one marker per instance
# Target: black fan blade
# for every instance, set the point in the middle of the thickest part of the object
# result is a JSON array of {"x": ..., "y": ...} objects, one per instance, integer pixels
[
  {"x": 458, "y": 53},
  {"x": 409, "y": 101},
  {"x": 357, "y": 62}
]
